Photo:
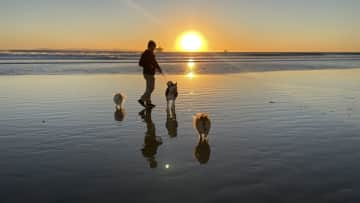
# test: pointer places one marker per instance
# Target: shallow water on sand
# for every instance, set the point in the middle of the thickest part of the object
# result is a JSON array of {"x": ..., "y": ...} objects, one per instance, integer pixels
[{"x": 290, "y": 136}]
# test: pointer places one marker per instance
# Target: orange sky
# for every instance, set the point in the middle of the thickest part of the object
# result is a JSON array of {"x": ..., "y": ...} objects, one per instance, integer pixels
[{"x": 233, "y": 25}]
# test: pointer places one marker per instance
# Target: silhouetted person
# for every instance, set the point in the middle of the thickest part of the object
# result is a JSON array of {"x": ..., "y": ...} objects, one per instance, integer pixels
[
  {"x": 150, "y": 66},
  {"x": 151, "y": 141}
]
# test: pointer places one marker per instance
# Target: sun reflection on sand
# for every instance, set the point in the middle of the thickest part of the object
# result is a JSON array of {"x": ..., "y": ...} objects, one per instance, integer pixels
[
  {"x": 190, "y": 67},
  {"x": 191, "y": 64},
  {"x": 190, "y": 75}
]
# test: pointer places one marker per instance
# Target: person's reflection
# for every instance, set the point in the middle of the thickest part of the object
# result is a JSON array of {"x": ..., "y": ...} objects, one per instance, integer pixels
[
  {"x": 202, "y": 150},
  {"x": 119, "y": 114},
  {"x": 151, "y": 141},
  {"x": 171, "y": 122}
]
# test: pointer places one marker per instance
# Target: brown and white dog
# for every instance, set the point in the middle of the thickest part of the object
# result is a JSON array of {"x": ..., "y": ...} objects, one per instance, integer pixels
[
  {"x": 202, "y": 124},
  {"x": 171, "y": 94}
]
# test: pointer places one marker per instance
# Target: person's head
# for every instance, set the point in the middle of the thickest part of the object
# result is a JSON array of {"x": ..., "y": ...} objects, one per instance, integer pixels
[{"x": 151, "y": 45}]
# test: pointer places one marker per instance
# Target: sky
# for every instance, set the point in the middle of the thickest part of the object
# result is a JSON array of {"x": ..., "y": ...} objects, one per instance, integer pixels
[{"x": 234, "y": 25}]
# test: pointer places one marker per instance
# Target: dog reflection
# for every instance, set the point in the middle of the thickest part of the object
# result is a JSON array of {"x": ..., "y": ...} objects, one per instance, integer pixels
[
  {"x": 202, "y": 125},
  {"x": 151, "y": 141},
  {"x": 202, "y": 150},
  {"x": 119, "y": 114},
  {"x": 171, "y": 122}
]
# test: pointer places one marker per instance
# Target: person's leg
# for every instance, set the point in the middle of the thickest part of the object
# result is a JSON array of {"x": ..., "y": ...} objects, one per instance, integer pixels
[
  {"x": 143, "y": 97},
  {"x": 151, "y": 86}
]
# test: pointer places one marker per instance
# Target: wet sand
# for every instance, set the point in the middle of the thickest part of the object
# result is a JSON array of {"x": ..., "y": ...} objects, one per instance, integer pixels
[{"x": 287, "y": 136}]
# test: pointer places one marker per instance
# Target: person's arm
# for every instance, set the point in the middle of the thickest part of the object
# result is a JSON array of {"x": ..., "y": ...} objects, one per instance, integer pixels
[
  {"x": 141, "y": 61},
  {"x": 157, "y": 65}
]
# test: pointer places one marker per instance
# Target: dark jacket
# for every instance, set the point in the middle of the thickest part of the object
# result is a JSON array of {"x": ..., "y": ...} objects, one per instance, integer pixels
[{"x": 149, "y": 63}]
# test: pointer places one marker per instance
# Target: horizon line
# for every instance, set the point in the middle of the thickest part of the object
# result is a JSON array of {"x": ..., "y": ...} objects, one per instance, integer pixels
[{"x": 128, "y": 50}]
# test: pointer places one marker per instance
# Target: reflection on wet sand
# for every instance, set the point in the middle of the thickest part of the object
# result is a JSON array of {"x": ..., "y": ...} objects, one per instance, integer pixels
[
  {"x": 190, "y": 69},
  {"x": 151, "y": 141},
  {"x": 202, "y": 125},
  {"x": 202, "y": 150},
  {"x": 119, "y": 114},
  {"x": 171, "y": 122}
]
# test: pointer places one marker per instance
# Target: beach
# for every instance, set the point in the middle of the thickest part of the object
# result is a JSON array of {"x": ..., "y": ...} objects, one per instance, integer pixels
[
  {"x": 267, "y": 103},
  {"x": 276, "y": 136}
]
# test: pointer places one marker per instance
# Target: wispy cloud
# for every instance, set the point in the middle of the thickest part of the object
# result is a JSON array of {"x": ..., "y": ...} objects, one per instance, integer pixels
[{"x": 143, "y": 11}]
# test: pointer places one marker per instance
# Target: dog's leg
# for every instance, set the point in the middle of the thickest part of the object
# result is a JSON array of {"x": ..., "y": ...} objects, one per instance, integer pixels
[
  {"x": 173, "y": 105},
  {"x": 168, "y": 109},
  {"x": 206, "y": 137}
]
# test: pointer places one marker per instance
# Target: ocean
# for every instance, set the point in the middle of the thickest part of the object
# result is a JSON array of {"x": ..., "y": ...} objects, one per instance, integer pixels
[{"x": 49, "y": 62}]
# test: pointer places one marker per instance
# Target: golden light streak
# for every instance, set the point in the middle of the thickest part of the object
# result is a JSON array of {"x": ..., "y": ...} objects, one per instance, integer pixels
[{"x": 190, "y": 75}]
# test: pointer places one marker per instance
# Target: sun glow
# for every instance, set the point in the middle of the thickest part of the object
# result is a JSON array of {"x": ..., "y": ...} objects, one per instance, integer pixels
[{"x": 191, "y": 41}]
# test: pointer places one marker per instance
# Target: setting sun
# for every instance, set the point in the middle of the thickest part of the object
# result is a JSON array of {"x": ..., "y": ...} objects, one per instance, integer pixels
[{"x": 191, "y": 41}]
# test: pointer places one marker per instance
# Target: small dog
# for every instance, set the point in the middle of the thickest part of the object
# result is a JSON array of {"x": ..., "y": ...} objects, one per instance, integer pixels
[
  {"x": 119, "y": 100},
  {"x": 201, "y": 122},
  {"x": 171, "y": 94},
  {"x": 171, "y": 91}
]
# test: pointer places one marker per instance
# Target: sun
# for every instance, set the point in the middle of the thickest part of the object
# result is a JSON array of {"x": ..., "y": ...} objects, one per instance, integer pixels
[{"x": 191, "y": 41}]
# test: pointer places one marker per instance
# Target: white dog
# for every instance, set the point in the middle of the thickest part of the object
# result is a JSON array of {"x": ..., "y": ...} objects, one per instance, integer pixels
[
  {"x": 202, "y": 124},
  {"x": 119, "y": 100}
]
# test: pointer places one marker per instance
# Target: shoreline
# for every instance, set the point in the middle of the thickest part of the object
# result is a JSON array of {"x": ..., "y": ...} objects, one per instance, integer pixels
[{"x": 182, "y": 74}]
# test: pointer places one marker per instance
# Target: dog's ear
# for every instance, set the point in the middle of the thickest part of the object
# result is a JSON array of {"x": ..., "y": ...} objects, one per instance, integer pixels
[{"x": 175, "y": 84}]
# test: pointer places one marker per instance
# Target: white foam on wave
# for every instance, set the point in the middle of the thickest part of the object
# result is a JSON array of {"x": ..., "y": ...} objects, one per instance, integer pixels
[{"x": 108, "y": 62}]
